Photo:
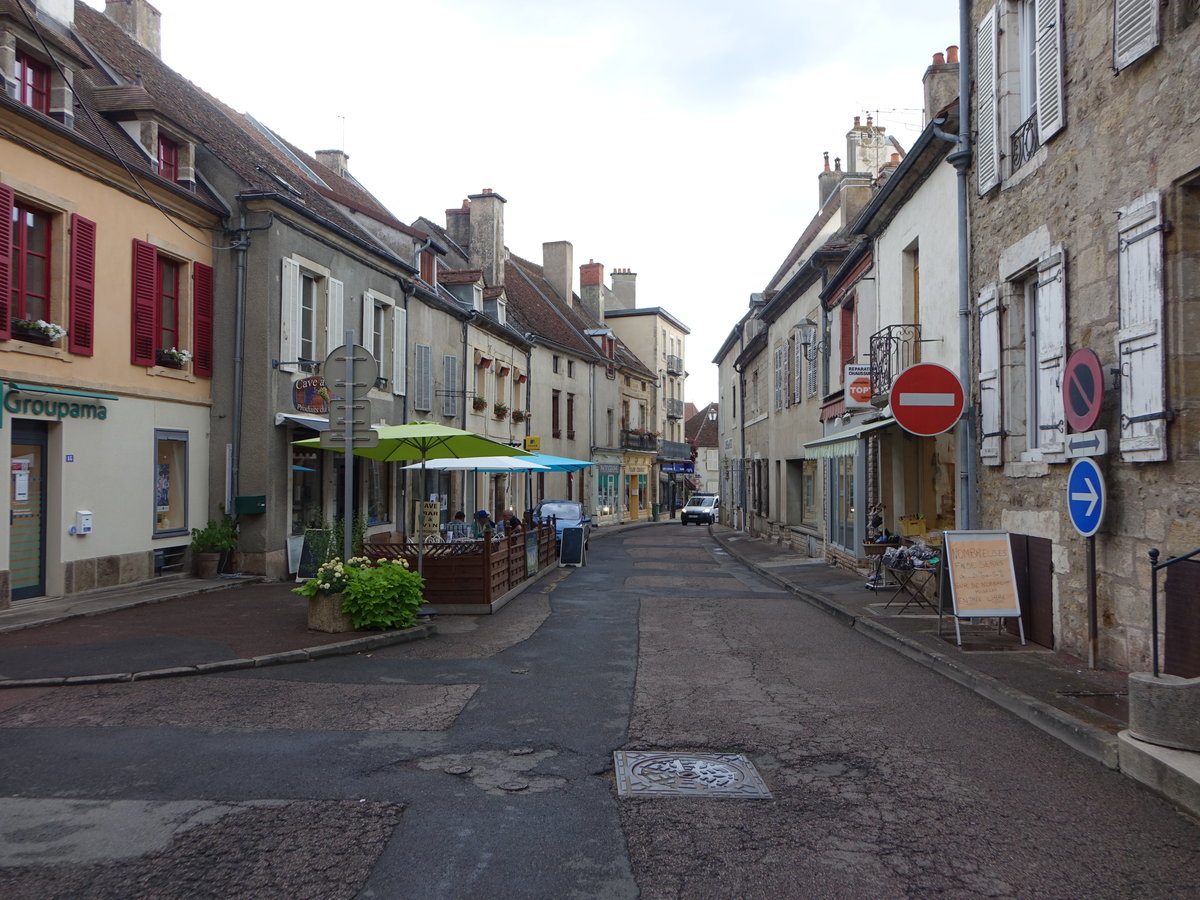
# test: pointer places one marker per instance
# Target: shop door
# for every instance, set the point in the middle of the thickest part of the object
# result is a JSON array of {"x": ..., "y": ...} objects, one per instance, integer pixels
[
  {"x": 1035, "y": 587},
  {"x": 1181, "y": 630},
  {"x": 27, "y": 511}
]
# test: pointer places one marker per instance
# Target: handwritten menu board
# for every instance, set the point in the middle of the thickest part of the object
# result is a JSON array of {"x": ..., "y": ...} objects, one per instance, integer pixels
[{"x": 982, "y": 577}]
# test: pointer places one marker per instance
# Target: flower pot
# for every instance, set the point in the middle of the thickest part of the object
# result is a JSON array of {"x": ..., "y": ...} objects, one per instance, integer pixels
[
  {"x": 33, "y": 337},
  {"x": 207, "y": 564},
  {"x": 167, "y": 361},
  {"x": 325, "y": 614}
]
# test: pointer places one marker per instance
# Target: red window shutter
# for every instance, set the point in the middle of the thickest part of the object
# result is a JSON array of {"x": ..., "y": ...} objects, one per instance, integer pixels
[
  {"x": 145, "y": 304},
  {"x": 202, "y": 319},
  {"x": 846, "y": 338},
  {"x": 6, "y": 273},
  {"x": 82, "y": 314}
]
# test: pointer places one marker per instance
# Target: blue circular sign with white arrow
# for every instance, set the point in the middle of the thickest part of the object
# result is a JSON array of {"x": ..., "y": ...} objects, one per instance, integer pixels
[{"x": 1085, "y": 496}]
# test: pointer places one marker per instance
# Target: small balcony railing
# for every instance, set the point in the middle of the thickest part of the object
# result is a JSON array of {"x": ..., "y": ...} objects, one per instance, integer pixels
[
  {"x": 674, "y": 408},
  {"x": 637, "y": 440},
  {"x": 674, "y": 365},
  {"x": 893, "y": 349},
  {"x": 1024, "y": 143}
]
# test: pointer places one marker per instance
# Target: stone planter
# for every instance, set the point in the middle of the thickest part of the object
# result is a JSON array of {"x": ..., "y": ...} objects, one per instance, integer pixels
[
  {"x": 325, "y": 614},
  {"x": 207, "y": 564}
]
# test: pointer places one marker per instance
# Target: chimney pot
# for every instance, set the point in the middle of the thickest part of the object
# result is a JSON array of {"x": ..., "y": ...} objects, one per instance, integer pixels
[
  {"x": 870, "y": 119},
  {"x": 939, "y": 59},
  {"x": 952, "y": 54},
  {"x": 895, "y": 159},
  {"x": 826, "y": 160},
  {"x": 856, "y": 121},
  {"x": 837, "y": 164}
]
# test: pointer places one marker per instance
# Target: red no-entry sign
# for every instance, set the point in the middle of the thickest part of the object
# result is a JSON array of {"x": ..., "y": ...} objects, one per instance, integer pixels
[{"x": 926, "y": 399}]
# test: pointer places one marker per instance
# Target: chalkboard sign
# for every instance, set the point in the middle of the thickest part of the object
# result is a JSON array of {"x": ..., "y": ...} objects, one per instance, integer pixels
[{"x": 570, "y": 551}]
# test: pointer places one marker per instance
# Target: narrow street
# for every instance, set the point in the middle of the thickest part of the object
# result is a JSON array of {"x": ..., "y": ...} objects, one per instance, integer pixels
[{"x": 479, "y": 763}]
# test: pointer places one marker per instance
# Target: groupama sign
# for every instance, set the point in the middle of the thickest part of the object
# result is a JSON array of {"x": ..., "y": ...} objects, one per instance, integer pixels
[{"x": 53, "y": 403}]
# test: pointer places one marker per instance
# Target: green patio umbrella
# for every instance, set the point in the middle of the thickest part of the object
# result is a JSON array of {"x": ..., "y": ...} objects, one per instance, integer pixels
[{"x": 421, "y": 441}]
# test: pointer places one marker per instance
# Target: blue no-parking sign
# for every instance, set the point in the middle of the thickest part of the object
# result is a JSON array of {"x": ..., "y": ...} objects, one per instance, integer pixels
[{"x": 1085, "y": 496}]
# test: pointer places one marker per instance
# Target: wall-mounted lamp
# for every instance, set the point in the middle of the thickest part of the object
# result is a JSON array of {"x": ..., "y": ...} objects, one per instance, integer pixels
[{"x": 808, "y": 339}]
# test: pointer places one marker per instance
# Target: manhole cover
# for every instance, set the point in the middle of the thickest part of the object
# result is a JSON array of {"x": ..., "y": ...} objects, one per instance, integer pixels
[{"x": 674, "y": 774}]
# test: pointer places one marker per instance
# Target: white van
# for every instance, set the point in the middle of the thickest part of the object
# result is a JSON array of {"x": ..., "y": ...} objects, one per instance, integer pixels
[{"x": 701, "y": 508}]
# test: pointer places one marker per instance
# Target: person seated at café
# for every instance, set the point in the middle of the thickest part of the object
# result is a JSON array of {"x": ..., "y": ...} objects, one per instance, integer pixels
[
  {"x": 483, "y": 522},
  {"x": 458, "y": 530},
  {"x": 512, "y": 525}
]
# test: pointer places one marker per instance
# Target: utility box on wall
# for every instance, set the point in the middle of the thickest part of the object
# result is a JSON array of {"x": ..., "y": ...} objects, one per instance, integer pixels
[{"x": 250, "y": 504}]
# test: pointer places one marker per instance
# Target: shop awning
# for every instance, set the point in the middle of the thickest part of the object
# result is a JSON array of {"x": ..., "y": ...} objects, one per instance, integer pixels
[
  {"x": 316, "y": 423},
  {"x": 844, "y": 443},
  {"x": 70, "y": 392}
]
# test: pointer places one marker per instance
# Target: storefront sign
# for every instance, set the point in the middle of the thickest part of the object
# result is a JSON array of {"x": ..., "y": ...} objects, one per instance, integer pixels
[
  {"x": 58, "y": 404},
  {"x": 858, "y": 386},
  {"x": 310, "y": 395},
  {"x": 533, "y": 443},
  {"x": 685, "y": 468}
]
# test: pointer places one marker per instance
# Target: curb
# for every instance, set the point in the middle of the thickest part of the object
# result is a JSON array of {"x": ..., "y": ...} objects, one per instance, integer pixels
[
  {"x": 284, "y": 657},
  {"x": 1092, "y": 742}
]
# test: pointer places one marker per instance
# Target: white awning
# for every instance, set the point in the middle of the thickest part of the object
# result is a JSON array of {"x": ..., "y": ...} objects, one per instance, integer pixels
[
  {"x": 316, "y": 423},
  {"x": 844, "y": 443}
]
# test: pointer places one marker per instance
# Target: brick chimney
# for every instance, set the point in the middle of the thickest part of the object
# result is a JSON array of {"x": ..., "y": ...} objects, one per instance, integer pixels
[
  {"x": 827, "y": 181},
  {"x": 335, "y": 160},
  {"x": 139, "y": 20},
  {"x": 592, "y": 292},
  {"x": 458, "y": 225},
  {"x": 941, "y": 82},
  {"x": 624, "y": 289},
  {"x": 487, "y": 235},
  {"x": 558, "y": 268}
]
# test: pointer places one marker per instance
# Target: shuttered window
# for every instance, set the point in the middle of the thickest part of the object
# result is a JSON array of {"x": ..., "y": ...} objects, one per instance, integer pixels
[
  {"x": 1049, "y": 50},
  {"x": 335, "y": 323},
  {"x": 399, "y": 350},
  {"x": 6, "y": 274},
  {"x": 423, "y": 390},
  {"x": 1140, "y": 334},
  {"x": 779, "y": 378},
  {"x": 450, "y": 389},
  {"x": 1050, "y": 349},
  {"x": 145, "y": 304},
  {"x": 798, "y": 365},
  {"x": 987, "y": 139},
  {"x": 1135, "y": 30},
  {"x": 785, "y": 383},
  {"x": 990, "y": 382},
  {"x": 202, "y": 319},
  {"x": 82, "y": 314},
  {"x": 289, "y": 315}
]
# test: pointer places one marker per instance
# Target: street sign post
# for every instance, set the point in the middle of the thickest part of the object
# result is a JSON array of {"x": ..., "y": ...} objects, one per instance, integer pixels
[
  {"x": 1090, "y": 443},
  {"x": 926, "y": 399},
  {"x": 1085, "y": 496},
  {"x": 1083, "y": 389}
]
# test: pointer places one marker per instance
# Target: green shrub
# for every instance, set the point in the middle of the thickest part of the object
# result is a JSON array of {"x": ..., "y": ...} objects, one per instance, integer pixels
[{"x": 384, "y": 594}]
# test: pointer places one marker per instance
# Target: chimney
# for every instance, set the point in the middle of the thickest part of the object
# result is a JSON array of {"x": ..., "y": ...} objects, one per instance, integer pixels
[
  {"x": 940, "y": 82},
  {"x": 59, "y": 10},
  {"x": 139, "y": 20},
  {"x": 558, "y": 268},
  {"x": 827, "y": 181},
  {"x": 624, "y": 288},
  {"x": 591, "y": 289},
  {"x": 335, "y": 160},
  {"x": 458, "y": 225},
  {"x": 487, "y": 235}
]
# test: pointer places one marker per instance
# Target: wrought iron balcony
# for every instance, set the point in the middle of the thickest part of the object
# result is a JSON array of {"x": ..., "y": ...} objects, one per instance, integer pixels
[
  {"x": 674, "y": 365},
  {"x": 635, "y": 439},
  {"x": 893, "y": 349},
  {"x": 1024, "y": 143},
  {"x": 674, "y": 408}
]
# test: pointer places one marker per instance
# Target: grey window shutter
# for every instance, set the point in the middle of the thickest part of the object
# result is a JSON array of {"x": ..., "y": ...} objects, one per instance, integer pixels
[
  {"x": 987, "y": 130},
  {"x": 1135, "y": 30},
  {"x": 1140, "y": 335},
  {"x": 289, "y": 314},
  {"x": 991, "y": 396},
  {"x": 424, "y": 375},
  {"x": 450, "y": 385},
  {"x": 399, "y": 350},
  {"x": 1051, "y": 111},
  {"x": 1051, "y": 328},
  {"x": 335, "y": 327}
]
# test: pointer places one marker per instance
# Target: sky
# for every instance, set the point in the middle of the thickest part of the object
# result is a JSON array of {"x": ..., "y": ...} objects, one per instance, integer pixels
[{"x": 681, "y": 140}]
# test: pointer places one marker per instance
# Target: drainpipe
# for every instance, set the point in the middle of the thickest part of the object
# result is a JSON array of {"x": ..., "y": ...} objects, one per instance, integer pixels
[
  {"x": 741, "y": 486},
  {"x": 966, "y": 507}
]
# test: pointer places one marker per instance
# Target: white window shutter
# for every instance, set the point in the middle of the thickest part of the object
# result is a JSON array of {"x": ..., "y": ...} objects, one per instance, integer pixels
[
  {"x": 811, "y": 375},
  {"x": 334, "y": 306},
  {"x": 399, "y": 350},
  {"x": 1051, "y": 112},
  {"x": 366, "y": 335},
  {"x": 289, "y": 314},
  {"x": 449, "y": 385},
  {"x": 778, "y": 378},
  {"x": 785, "y": 385},
  {"x": 991, "y": 396},
  {"x": 1140, "y": 335},
  {"x": 798, "y": 394},
  {"x": 423, "y": 393},
  {"x": 1135, "y": 30},
  {"x": 987, "y": 124},
  {"x": 1051, "y": 333}
]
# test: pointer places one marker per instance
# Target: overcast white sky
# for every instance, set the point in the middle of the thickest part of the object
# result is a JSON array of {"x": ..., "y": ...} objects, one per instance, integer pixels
[{"x": 677, "y": 138}]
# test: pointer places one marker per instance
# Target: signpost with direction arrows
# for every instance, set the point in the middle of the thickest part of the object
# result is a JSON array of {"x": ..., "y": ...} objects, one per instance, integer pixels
[{"x": 1085, "y": 505}]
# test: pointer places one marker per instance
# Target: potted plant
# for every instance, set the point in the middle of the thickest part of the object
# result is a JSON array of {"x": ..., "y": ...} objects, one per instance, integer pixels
[
  {"x": 172, "y": 358},
  {"x": 37, "y": 331},
  {"x": 500, "y": 410},
  {"x": 210, "y": 542},
  {"x": 519, "y": 415},
  {"x": 362, "y": 594}
]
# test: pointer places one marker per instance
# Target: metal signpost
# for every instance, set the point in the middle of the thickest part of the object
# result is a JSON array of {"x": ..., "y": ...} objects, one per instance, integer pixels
[
  {"x": 1085, "y": 506},
  {"x": 350, "y": 372},
  {"x": 926, "y": 399}
]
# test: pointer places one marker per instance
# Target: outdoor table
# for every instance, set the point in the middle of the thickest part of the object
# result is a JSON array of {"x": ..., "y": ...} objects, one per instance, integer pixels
[{"x": 916, "y": 585}]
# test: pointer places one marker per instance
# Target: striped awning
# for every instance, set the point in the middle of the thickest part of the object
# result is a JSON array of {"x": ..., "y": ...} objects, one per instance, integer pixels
[{"x": 843, "y": 443}]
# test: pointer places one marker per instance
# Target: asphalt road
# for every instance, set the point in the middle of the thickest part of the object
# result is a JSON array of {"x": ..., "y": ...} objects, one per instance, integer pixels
[{"x": 480, "y": 764}]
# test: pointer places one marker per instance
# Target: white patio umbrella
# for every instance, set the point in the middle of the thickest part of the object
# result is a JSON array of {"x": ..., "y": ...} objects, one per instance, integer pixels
[{"x": 481, "y": 464}]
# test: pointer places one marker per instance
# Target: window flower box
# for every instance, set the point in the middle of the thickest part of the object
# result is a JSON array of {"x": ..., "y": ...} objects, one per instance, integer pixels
[
  {"x": 519, "y": 415},
  {"x": 37, "y": 331},
  {"x": 172, "y": 358},
  {"x": 479, "y": 404},
  {"x": 500, "y": 410}
]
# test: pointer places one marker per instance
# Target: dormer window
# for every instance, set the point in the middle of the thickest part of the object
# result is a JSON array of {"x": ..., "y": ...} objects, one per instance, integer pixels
[
  {"x": 168, "y": 158},
  {"x": 477, "y": 297},
  {"x": 428, "y": 268},
  {"x": 502, "y": 312},
  {"x": 33, "y": 83}
]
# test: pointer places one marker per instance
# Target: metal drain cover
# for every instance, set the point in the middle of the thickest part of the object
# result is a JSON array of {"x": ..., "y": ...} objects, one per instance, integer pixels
[{"x": 680, "y": 774}]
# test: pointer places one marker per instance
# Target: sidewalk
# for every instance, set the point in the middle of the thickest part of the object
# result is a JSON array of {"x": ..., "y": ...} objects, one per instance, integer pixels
[{"x": 1055, "y": 692}]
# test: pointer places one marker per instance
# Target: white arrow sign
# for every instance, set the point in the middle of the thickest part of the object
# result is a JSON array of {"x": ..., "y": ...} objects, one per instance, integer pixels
[{"x": 1091, "y": 496}]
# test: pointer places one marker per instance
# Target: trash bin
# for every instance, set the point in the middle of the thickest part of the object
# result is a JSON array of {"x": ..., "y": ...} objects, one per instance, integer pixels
[{"x": 654, "y": 512}]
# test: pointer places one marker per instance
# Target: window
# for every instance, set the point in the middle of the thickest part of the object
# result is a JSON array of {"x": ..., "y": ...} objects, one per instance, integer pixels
[
  {"x": 381, "y": 321},
  {"x": 778, "y": 378},
  {"x": 168, "y": 159},
  {"x": 1135, "y": 30},
  {"x": 377, "y": 490},
  {"x": 30, "y": 272},
  {"x": 33, "y": 83},
  {"x": 841, "y": 501},
  {"x": 808, "y": 492},
  {"x": 311, "y": 313},
  {"x": 1045, "y": 342},
  {"x": 307, "y": 501},
  {"x": 450, "y": 389},
  {"x": 555, "y": 424},
  {"x": 570, "y": 417},
  {"x": 570, "y": 368},
  {"x": 555, "y": 364},
  {"x": 170, "y": 482},
  {"x": 159, "y": 309}
]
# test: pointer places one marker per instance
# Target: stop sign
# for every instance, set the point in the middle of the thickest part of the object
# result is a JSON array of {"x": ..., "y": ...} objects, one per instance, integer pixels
[{"x": 926, "y": 399}]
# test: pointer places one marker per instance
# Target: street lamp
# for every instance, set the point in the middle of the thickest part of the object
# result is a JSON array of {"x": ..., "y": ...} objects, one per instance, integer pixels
[{"x": 808, "y": 333}]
